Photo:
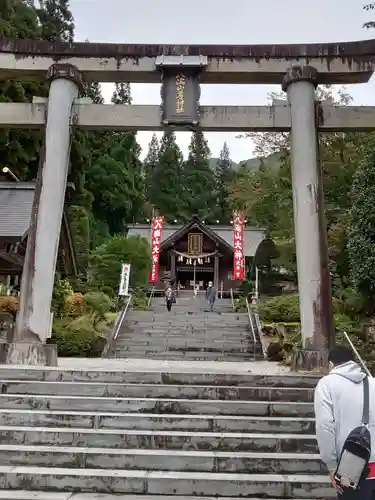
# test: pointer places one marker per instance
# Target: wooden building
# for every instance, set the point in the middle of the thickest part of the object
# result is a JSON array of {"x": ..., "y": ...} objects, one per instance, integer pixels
[
  {"x": 199, "y": 253},
  {"x": 16, "y": 202}
]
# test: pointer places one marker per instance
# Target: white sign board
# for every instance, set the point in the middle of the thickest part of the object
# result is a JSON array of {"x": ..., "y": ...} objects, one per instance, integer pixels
[{"x": 124, "y": 283}]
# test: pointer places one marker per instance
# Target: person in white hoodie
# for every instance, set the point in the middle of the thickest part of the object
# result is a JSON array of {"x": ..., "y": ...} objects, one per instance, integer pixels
[{"x": 338, "y": 405}]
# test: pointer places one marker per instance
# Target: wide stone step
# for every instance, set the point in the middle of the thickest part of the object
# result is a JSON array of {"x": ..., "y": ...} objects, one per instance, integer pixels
[
  {"x": 165, "y": 376},
  {"x": 219, "y": 346},
  {"x": 152, "y": 421},
  {"x": 167, "y": 483},
  {"x": 188, "y": 356},
  {"x": 157, "y": 405},
  {"x": 186, "y": 344},
  {"x": 173, "y": 335},
  {"x": 157, "y": 391},
  {"x": 55, "y": 495},
  {"x": 205, "y": 353},
  {"x": 168, "y": 440},
  {"x": 167, "y": 460}
]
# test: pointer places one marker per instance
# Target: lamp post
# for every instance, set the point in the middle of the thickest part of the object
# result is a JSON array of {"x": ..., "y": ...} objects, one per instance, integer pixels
[{"x": 7, "y": 170}]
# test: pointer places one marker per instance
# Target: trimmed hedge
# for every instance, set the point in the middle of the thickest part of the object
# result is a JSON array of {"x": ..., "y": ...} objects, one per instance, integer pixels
[{"x": 78, "y": 338}]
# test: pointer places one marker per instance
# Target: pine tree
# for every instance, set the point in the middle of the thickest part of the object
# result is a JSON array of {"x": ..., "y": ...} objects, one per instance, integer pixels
[
  {"x": 94, "y": 92},
  {"x": 115, "y": 178},
  {"x": 224, "y": 175},
  {"x": 166, "y": 187},
  {"x": 199, "y": 180},
  {"x": 361, "y": 243},
  {"x": 150, "y": 162},
  {"x": 19, "y": 149},
  {"x": 56, "y": 20},
  {"x": 122, "y": 94}
]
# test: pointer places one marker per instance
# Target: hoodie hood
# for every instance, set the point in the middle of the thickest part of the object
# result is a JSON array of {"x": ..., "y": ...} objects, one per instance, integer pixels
[{"x": 350, "y": 370}]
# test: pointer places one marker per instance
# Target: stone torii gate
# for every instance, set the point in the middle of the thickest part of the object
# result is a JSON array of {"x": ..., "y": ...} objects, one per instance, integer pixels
[{"x": 181, "y": 69}]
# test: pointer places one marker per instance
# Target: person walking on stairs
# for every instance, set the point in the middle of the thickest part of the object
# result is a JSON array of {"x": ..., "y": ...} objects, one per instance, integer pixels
[
  {"x": 340, "y": 409},
  {"x": 169, "y": 298},
  {"x": 211, "y": 295}
]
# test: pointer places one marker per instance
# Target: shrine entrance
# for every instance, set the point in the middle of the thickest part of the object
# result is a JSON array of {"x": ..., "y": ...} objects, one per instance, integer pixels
[
  {"x": 182, "y": 69},
  {"x": 187, "y": 277}
]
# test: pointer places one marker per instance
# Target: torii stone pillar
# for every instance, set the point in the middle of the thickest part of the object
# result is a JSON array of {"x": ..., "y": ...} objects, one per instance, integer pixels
[
  {"x": 34, "y": 320},
  {"x": 309, "y": 220}
]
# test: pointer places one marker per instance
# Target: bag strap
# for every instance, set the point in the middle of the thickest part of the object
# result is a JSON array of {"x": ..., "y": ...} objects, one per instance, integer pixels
[{"x": 366, "y": 402}]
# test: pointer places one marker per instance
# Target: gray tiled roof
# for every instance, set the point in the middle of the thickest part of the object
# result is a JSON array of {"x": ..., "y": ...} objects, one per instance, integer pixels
[
  {"x": 252, "y": 236},
  {"x": 16, "y": 202}
]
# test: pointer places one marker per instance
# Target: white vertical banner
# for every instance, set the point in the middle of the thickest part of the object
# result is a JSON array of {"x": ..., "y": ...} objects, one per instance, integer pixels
[{"x": 124, "y": 282}]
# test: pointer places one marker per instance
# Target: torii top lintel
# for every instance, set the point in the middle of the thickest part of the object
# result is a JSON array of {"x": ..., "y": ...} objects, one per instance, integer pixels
[{"x": 337, "y": 63}]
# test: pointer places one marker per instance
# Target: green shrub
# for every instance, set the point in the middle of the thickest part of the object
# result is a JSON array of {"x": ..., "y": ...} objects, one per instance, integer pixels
[
  {"x": 240, "y": 304},
  {"x": 284, "y": 308},
  {"x": 77, "y": 338},
  {"x": 108, "y": 291},
  {"x": 98, "y": 304},
  {"x": 288, "y": 340},
  {"x": 61, "y": 290},
  {"x": 139, "y": 301}
]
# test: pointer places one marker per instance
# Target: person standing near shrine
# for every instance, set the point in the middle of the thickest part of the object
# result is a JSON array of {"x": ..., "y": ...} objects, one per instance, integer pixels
[
  {"x": 211, "y": 295},
  {"x": 169, "y": 297}
]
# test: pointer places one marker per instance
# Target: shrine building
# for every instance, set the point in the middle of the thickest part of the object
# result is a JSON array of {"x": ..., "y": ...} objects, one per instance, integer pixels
[
  {"x": 199, "y": 253},
  {"x": 16, "y": 204}
]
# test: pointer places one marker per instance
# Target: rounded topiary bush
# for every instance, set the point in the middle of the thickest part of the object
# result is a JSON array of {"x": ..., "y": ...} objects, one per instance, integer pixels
[
  {"x": 74, "y": 304},
  {"x": 77, "y": 338},
  {"x": 284, "y": 308},
  {"x": 98, "y": 304}
]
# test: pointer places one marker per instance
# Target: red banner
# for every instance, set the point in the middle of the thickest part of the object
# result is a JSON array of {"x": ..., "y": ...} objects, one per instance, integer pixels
[
  {"x": 156, "y": 232},
  {"x": 238, "y": 246}
]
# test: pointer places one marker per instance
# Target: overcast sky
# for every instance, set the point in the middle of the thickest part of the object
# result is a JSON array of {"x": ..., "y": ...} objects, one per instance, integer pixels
[{"x": 222, "y": 22}]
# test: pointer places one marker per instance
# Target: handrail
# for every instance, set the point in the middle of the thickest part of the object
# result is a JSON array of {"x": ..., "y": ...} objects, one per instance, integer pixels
[
  {"x": 117, "y": 326},
  {"x": 232, "y": 299},
  {"x": 361, "y": 362},
  {"x": 249, "y": 313},
  {"x": 150, "y": 297}
]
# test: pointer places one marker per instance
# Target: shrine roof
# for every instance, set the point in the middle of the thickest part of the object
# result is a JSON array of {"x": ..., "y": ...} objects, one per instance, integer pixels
[
  {"x": 252, "y": 236},
  {"x": 16, "y": 203}
]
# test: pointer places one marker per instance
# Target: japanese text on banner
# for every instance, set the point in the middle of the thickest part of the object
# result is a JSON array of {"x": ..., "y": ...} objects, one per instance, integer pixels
[
  {"x": 156, "y": 233},
  {"x": 238, "y": 246}
]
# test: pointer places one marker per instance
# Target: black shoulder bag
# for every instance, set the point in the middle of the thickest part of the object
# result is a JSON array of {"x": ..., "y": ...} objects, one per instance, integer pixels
[{"x": 352, "y": 468}]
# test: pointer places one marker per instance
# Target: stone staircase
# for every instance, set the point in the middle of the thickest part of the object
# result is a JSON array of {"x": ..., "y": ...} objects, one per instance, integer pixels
[
  {"x": 142, "y": 435},
  {"x": 189, "y": 332}
]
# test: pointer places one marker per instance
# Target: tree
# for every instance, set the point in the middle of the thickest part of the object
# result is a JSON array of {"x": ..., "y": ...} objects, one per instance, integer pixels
[
  {"x": 199, "y": 180},
  {"x": 224, "y": 176},
  {"x": 19, "y": 149},
  {"x": 56, "y": 20},
  {"x": 361, "y": 244},
  {"x": 368, "y": 7},
  {"x": 266, "y": 194},
  {"x": 106, "y": 260},
  {"x": 166, "y": 186},
  {"x": 122, "y": 94},
  {"x": 115, "y": 177},
  {"x": 150, "y": 161}
]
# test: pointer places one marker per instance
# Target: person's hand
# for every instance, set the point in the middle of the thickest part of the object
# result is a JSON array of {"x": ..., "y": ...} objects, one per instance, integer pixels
[{"x": 334, "y": 483}]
